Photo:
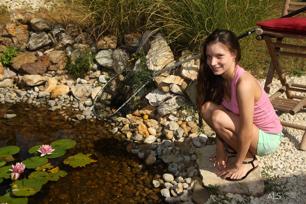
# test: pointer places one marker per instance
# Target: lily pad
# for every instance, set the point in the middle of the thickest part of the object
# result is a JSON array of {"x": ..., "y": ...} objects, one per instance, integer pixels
[
  {"x": 56, "y": 176},
  {"x": 2, "y": 163},
  {"x": 5, "y": 172},
  {"x": 44, "y": 167},
  {"x": 34, "y": 149},
  {"x": 79, "y": 160},
  {"x": 42, "y": 176},
  {"x": 63, "y": 144},
  {"x": 34, "y": 162},
  {"x": 7, "y": 158},
  {"x": 9, "y": 150},
  {"x": 27, "y": 187},
  {"x": 48, "y": 176},
  {"x": 56, "y": 153},
  {"x": 12, "y": 200}
]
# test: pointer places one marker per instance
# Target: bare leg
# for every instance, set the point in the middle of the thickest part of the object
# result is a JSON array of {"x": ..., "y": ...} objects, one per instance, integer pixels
[{"x": 226, "y": 125}]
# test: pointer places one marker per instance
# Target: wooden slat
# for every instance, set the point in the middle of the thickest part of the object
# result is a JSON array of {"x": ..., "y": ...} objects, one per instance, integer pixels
[
  {"x": 283, "y": 104},
  {"x": 293, "y": 54},
  {"x": 297, "y": 126},
  {"x": 290, "y": 46}
]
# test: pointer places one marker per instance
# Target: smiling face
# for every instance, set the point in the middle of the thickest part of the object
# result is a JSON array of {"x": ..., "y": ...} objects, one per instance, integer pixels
[{"x": 220, "y": 59}]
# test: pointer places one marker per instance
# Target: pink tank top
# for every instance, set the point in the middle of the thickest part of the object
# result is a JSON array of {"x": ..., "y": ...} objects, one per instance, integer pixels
[{"x": 264, "y": 117}]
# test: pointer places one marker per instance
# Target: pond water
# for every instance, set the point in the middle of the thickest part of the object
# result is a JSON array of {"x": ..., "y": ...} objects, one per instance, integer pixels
[{"x": 117, "y": 177}]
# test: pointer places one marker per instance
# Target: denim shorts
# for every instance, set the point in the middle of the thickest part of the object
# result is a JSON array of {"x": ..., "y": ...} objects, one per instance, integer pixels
[{"x": 268, "y": 142}]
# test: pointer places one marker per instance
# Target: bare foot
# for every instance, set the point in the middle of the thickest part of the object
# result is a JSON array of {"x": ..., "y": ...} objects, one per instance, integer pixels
[{"x": 238, "y": 173}]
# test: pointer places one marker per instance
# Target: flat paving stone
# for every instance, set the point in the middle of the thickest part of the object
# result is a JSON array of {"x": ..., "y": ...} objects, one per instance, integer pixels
[{"x": 253, "y": 184}]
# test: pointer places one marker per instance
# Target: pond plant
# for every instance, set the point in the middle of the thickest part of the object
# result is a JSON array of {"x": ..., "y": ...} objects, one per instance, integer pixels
[{"x": 26, "y": 178}]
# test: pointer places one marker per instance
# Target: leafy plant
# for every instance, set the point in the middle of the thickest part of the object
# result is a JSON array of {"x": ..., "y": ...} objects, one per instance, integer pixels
[
  {"x": 80, "y": 66},
  {"x": 7, "y": 56},
  {"x": 36, "y": 170}
]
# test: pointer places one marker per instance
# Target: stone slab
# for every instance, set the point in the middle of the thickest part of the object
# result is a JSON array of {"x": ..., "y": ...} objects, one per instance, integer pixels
[{"x": 252, "y": 185}]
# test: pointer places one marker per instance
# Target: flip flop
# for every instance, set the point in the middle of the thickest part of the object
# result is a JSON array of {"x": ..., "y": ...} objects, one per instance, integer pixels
[{"x": 247, "y": 173}]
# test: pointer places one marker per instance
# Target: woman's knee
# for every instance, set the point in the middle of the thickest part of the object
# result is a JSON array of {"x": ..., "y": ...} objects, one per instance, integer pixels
[
  {"x": 207, "y": 110},
  {"x": 217, "y": 118}
]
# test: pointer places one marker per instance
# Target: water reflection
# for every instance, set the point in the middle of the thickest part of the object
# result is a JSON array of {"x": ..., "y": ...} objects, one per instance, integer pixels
[{"x": 117, "y": 177}]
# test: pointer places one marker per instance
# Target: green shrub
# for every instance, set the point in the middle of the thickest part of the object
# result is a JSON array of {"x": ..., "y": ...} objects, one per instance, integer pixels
[
  {"x": 80, "y": 66},
  {"x": 7, "y": 56}
]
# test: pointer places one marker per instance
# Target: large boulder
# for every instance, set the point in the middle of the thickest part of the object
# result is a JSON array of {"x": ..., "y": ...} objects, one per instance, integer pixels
[{"x": 159, "y": 55}]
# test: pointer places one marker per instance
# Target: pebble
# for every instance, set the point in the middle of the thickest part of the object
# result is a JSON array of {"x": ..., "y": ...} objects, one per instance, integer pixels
[
  {"x": 168, "y": 177},
  {"x": 165, "y": 192}
]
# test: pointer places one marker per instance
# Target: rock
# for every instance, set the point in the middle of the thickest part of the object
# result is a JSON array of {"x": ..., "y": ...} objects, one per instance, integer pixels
[
  {"x": 33, "y": 80},
  {"x": 9, "y": 115},
  {"x": 38, "y": 41},
  {"x": 143, "y": 130},
  {"x": 165, "y": 192},
  {"x": 172, "y": 125},
  {"x": 176, "y": 89},
  {"x": 107, "y": 42},
  {"x": 81, "y": 91},
  {"x": 57, "y": 59},
  {"x": 23, "y": 58},
  {"x": 6, "y": 83},
  {"x": 169, "y": 134},
  {"x": 189, "y": 69},
  {"x": 168, "y": 177},
  {"x": 102, "y": 79},
  {"x": 157, "y": 97},
  {"x": 152, "y": 131},
  {"x": 252, "y": 185},
  {"x": 151, "y": 159},
  {"x": 50, "y": 85},
  {"x": 159, "y": 55},
  {"x": 150, "y": 139},
  {"x": 19, "y": 33},
  {"x": 65, "y": 39},
  {"x": 132, "y": 39},
  {"x": 1, "y": 71},
  {"x": 104, "y": 58},
  {"x": 156, "y": 183},
  {"x": 60, "y": 90},
  {"x": 120, "y": 60},
  {"x": 38, "y": 67},
  {"x": 170, "y": 105},
  {"x": 38, "y": 24}
]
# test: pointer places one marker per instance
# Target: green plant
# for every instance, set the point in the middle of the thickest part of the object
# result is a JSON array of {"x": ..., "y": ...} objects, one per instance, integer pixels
[
  {"x": 187, "y": 22},
  {"x": 7, "y": 56},
  {"x": 116, "y": 17},
  {"x": 80, "y": 66},
  {"x": 36, "y": 170}
]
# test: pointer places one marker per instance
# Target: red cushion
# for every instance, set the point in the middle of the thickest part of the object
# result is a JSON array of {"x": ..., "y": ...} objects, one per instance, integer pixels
[{"x": 295, "y": 25}]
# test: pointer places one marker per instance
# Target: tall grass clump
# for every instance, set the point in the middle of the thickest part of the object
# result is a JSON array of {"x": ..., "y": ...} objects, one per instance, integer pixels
[
  {"x": 187, "y": 22},
  {"x": 117, "y": 17}
]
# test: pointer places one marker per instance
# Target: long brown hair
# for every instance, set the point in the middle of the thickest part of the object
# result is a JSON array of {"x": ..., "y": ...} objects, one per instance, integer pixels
[{"x": 210, "y": 87}]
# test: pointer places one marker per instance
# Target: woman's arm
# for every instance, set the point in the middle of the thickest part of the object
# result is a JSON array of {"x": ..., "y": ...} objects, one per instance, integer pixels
[{"x": 246, "y": 89}]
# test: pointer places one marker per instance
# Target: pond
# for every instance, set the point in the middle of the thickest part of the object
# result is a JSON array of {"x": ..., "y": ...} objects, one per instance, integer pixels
[{"x": 116, "y": 177}]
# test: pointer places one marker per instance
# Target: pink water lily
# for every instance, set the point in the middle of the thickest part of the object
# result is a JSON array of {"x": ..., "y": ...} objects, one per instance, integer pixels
[
  {"x": 17, "y": 170},
  {"x": 45, "y": 150}
]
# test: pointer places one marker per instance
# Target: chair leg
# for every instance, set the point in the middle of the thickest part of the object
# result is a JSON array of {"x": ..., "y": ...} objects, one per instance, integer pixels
[{"x": 303, "y": 142}]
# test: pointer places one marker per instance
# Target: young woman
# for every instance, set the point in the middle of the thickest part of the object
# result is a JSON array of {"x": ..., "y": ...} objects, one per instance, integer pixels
[{"x": 234, "y": 105}]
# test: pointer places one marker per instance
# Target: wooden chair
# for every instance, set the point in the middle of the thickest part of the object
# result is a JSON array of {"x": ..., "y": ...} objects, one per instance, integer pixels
[{"x": 292, "y": 96}]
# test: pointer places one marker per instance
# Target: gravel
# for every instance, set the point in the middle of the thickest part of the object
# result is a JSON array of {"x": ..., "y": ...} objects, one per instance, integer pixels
[{"x": 33, "y": 5}]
